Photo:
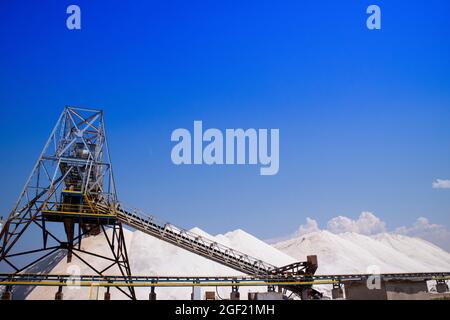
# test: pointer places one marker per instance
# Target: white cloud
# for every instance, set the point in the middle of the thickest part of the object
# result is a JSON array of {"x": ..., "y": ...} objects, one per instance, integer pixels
[
  {"x": 422, "y": 228},
  {"x": 441, "y": 184},
  {"x": 341, "y": 224},
  {"x": 367, "y": 224},
  {"x": 310, "y": 226}
]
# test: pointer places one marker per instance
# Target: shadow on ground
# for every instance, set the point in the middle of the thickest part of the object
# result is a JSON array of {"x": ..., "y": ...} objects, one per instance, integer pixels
[{"x": 45, "y": 266}]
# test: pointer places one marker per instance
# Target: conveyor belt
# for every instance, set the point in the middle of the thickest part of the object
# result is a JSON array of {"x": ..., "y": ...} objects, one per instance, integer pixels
[{"x": 195, "y": 243}]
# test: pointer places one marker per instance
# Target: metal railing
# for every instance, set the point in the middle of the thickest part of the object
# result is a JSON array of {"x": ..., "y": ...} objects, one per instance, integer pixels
[{"x": 87, "y": 208}]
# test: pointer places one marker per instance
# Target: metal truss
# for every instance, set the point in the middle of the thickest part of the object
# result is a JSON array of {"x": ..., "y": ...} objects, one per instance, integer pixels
[
  {"x": 72, "y": 184},
  {"x": 74, "y": 164},
  {"x": 148, "y": 281},
  {"x": 194, "y": 243}
]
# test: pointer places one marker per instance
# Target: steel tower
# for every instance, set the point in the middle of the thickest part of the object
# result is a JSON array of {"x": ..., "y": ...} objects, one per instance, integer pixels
[{"x": 71, "y": 185}]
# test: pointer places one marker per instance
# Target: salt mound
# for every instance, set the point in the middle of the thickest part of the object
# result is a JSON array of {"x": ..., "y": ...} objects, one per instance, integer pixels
[
  {"x": 355, "y": 253},
  {"x": 337, "y": 254},
  {"x": 96, "y": 244},
  {"x": 249, "y": 244},
  {"x": 433, "y": 257},
  {"x": 151, "y": 256}
]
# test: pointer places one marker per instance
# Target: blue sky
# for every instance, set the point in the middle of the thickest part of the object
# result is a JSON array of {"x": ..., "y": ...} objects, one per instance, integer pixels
[{"x": 364, "y": 116}]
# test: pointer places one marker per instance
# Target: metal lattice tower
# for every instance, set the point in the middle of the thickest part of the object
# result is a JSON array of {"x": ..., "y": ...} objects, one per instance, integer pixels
[
  {"x": 72, "y": 185},
  {"x": 71, "y": 178}
]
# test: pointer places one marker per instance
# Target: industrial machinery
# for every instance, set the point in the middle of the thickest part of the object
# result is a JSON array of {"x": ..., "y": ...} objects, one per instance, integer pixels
[
  {"x": 72, "y": 185},
  {"x": 71, "y": 177}
]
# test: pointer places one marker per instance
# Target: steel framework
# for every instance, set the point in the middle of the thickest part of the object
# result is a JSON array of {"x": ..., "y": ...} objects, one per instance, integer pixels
[
  {"x": 72, "y": 175},
  {"x": 72, "y": 185},
  {"x": 286, "y": 282}
]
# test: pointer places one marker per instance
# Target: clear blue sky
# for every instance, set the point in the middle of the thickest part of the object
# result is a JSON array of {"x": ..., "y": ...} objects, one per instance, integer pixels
[{"x": 364, "y": 116}]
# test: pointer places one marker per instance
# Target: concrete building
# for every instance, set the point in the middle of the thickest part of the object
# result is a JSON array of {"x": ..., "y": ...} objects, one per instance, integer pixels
[
  {"x": 407, "y": 290},
  {"x": 390, "y": 290},
  {"x": 357, "y": 290}
]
